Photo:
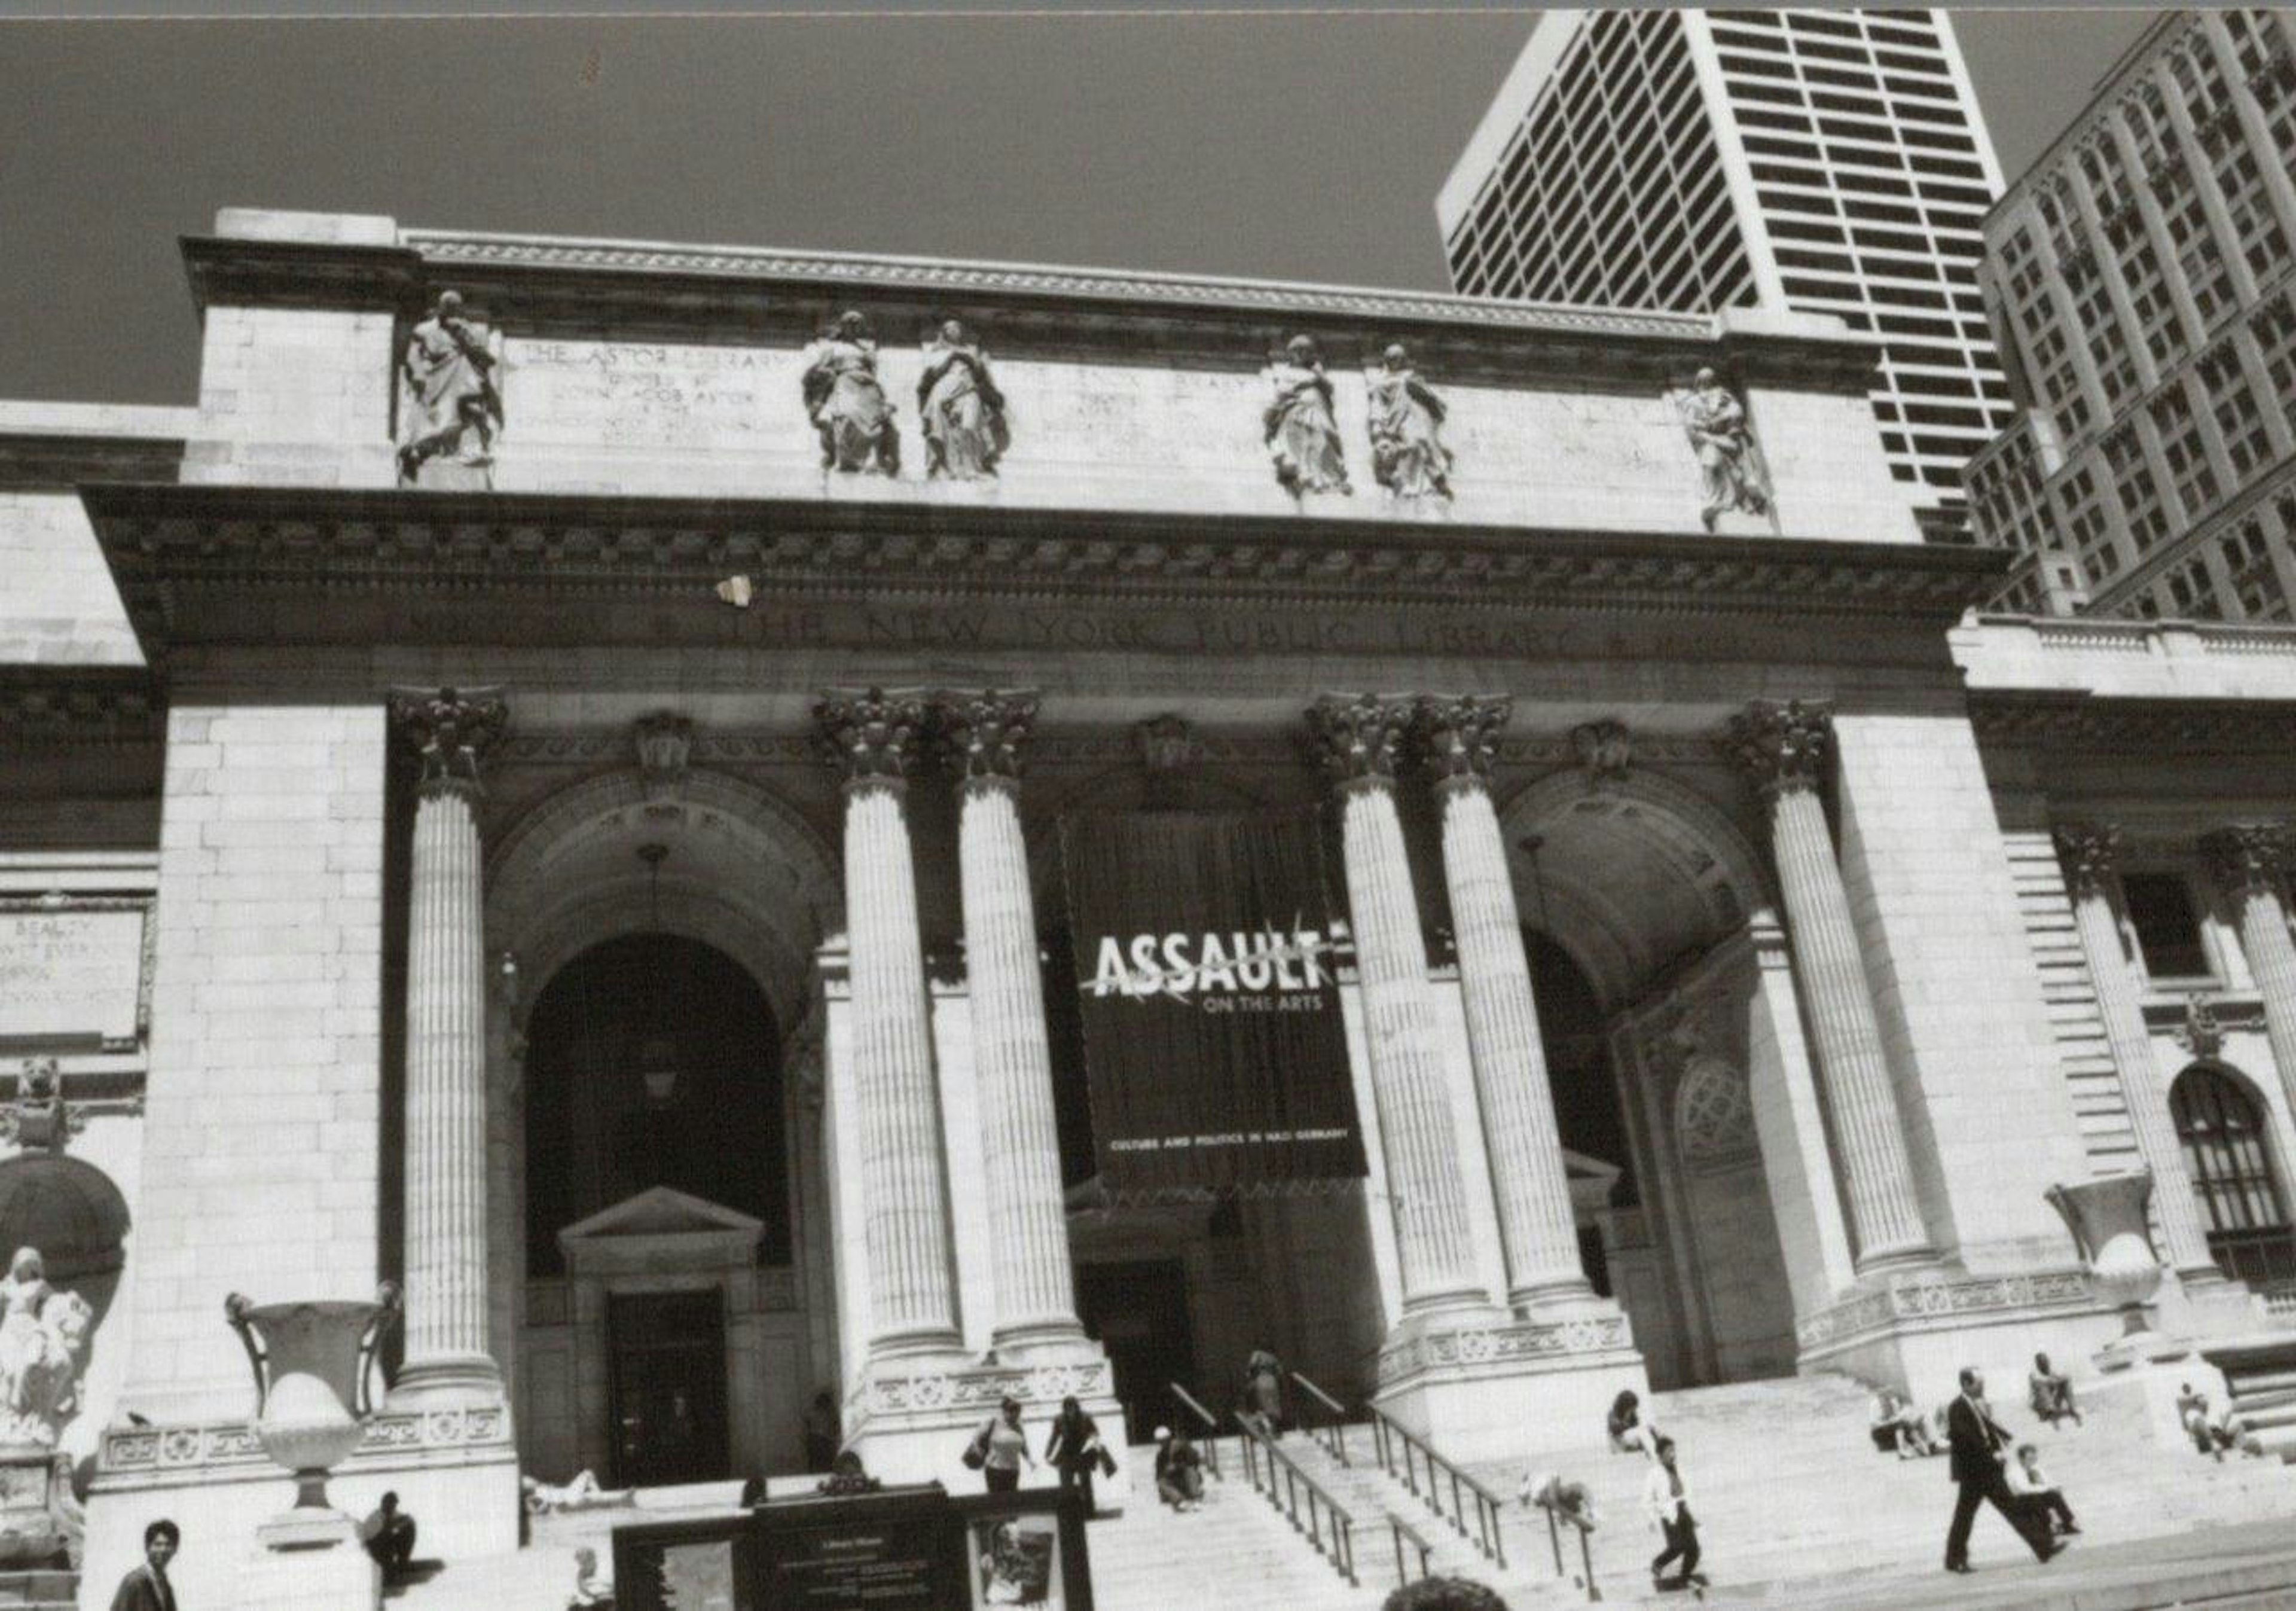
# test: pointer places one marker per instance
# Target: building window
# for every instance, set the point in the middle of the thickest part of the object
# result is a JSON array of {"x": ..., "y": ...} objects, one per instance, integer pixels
[
  {"x": 2221, "y": 1129},
  {"x": 2167, "y": 926}
]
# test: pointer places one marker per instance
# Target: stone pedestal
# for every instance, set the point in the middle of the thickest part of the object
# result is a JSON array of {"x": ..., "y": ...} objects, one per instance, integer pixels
[
  {"x": 914, "y": 1428},
  {"x": 39, "y": 1523},
  {"x": 344, "y": 1578},
  {"x": 2147, "y": 1385},
  {"x": 1502, "y": 1392}
]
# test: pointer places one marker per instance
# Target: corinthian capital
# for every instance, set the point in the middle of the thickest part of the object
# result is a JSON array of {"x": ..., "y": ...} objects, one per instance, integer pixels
[
  {"x": 985, "y": 732},
  {"x": 873, "y": 734},
  {"x": 2247, "y": 857},
  {"x": 450, "y": 730},
  {"x": 1781, "y": 747},
  {"x": 1463, "y": 737},
  {"x": 1358, "y": 738},
  {"x": 2088, "y": 854}
]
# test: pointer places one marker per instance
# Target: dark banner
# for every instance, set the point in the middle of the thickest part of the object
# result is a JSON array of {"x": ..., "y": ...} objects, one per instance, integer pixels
[{"x": 1217, "y": 1060}]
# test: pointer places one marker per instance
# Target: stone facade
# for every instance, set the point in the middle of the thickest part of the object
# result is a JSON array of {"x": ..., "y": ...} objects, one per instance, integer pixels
[{"x": 1717, "y": 1005}]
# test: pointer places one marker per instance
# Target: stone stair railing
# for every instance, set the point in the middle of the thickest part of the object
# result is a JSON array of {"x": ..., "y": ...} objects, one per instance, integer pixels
[{"x": 1328, "y": 1525}]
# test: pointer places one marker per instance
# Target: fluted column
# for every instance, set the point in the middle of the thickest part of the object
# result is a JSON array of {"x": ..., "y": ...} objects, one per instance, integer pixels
[
  {"x": 2090, "y": 854},
  {"x": 1012, "y": 1054},
  {"x": 1783, "y": 748},
  {"x": 446, "y": 1256},
  {"x": 2251, "y": 862},
  {"x": 1359, "y": 739},
  {"x": 1520, "y": 1131},
  {"x": 896, "y": 1099}
]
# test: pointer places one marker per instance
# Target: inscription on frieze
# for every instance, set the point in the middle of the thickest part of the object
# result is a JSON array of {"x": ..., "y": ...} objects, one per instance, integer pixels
[
  {"x": 69, "y": 973},
  {"x": 651, "y": 395}
]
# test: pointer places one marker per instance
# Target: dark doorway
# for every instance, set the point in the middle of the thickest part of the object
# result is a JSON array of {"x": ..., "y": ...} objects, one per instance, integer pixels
[
  {"x": 669, "y": 1355},
  {"x": 1139, "y": 1312},
  {"x": 652, "y": 1061}
]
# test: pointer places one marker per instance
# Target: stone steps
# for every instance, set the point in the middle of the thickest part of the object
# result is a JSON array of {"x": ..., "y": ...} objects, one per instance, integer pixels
[{"x": 38, "y": 1590}]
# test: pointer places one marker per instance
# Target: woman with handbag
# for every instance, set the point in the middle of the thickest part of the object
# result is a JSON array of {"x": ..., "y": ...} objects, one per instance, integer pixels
[
  {"x": 1074, "y": 1449},
  {"x": 999, "y": 1449}
]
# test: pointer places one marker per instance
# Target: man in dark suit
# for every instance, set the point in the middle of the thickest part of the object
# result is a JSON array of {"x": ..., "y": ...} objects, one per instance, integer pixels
[
  {"x": 1978, "y": 1446},
  {"x": 146, "y": 1587}
]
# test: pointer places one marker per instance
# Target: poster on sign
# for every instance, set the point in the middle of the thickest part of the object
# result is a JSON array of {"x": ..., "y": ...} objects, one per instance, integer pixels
[{"x": 1214, "y": 1046}]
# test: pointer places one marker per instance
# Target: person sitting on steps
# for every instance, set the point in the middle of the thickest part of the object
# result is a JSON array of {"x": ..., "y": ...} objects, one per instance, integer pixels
[
  {"x": 1179, "y": 1470},
  {"x": 1898, "y": 1426},
  {"x": 1628, "y": 1434},
  {"x": 2036, "y": 1494},
  {"x": 2050, "y": 1393},
  {"x": 389, "y": 1534},
  {"x": 593, "y": 1590}
]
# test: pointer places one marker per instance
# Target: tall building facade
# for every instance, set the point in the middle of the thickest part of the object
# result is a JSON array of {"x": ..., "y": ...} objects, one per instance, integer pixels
[
  {"x": 1816, "y": 161},
  {"x": 2140, "y": 290}
]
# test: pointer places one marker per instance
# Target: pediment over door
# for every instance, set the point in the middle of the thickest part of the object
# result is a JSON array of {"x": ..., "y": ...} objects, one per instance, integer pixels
[{"x": 661, "y": 1230}]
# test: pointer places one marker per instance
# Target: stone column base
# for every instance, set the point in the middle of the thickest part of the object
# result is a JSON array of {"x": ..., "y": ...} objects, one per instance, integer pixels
[
  {"x": 1915, "y": 1330},
  {"x": 447, "y": 1381},
  {"x": 914, "y": 1426},
  {"x": 1510, "y": 1388},
  {"x": 2207, "y": 1306},
  {"x": 456, "y": 1472},
  {"x": 39, "y": 1524},
  {"x": 343, "y": 1575},
  {"x": 2146, "y": 1378}
]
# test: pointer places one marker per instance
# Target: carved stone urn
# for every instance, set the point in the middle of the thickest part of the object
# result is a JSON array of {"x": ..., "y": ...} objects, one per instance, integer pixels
[
  {"x": 311, "y": 1361},
  {"x": 2107, "y": 1219}
]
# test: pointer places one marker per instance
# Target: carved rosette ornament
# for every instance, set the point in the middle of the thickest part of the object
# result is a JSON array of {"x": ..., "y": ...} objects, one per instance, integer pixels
[
  {"x": 984, "y": 733},
  {"x": 451, "y": 730},
  {"x": 2089, "y": 854},
  {"x": 873, "y": 734},
  {"x": 2247, "y": 857},
  {"x": 1462, "y": 738},
  {"x": 1359, "y": 739},
  {"x": 1781, "y": 747}
]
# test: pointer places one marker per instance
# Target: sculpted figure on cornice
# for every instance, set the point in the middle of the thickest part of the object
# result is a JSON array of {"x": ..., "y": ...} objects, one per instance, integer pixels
[
  {"x": 1407, "y": 455},
  {"x": 963, "y": 411},
  {"x": 1724, "y": 442},
  {"x": 848, "y": 405},
  {"x": 1299, "y": 425},
  {"x": 448, "y": 408}
]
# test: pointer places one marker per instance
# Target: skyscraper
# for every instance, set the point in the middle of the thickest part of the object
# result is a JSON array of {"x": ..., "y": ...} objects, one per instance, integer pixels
[
  {"x": 2140, "y": 285},
  {"x": 1817, "y": 162}
]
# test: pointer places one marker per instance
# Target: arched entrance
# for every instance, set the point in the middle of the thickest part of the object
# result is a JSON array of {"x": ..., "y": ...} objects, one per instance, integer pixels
[
  {"x": 1638, "y": 889},
  {"x": 662, "y": 1260}
]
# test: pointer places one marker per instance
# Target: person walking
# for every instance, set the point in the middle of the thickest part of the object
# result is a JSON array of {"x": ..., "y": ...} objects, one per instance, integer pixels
[
  {"x": 145, "y": 1588},
  {"x": 1263, "y": 1393},
  {"x": 1668, "y": 1499},
  {"x": 1074, "y": 1449},
  {"x": 1975, "y": 1444},
  {"x": 1000, "y": 1449}
]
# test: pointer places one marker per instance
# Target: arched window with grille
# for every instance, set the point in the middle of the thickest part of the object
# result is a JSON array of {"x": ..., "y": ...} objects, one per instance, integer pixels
[{"x": 2222, "y": 1131}]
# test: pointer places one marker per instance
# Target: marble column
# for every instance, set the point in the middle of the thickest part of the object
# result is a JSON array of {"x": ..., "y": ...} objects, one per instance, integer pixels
[
  {"x": 1521, "y": 1133},
  {"x": 1011, "y": 1054},
  {"x": 1783, "y": 748},
  {"x": 446, "y": 1159},
  {"x": 2251, "y": 861},
  {"x": 2090, "y": 854},
  {"x": 1359, "y": 740},
  {"x": 895, "y": 1097}
]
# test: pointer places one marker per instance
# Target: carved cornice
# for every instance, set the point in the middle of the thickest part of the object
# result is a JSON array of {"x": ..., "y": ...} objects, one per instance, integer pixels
[
  {"x": 2248, "y": 857},
  {"x": 2089, "y": 854},
  {"x": 985, "y": 732},
  {"x": 301, "y": 274},
  {"x": 1358, "y": 738},
  {"x": 195, "y": 563},
  {"x": 450, "y": 731},
  {"x": 2101, "y": 724},
  {"x": 58, "y": 461},
  {"x": 46, "y": 706},
  {"x": 1781, "y": 746},
  {"x": 873, "y": 735},
  {"x": 1462, "y": 734}
]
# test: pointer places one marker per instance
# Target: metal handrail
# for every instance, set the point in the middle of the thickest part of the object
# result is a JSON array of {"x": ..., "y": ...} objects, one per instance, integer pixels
[
  {"x": 1403, "y": 1532},
  {"x": 1399, "y": 1444},
  {"x": 1210, "y": 1444},
  {"x": 1333, "y": 1435},
  {"x": 1330, "y": 1528}
]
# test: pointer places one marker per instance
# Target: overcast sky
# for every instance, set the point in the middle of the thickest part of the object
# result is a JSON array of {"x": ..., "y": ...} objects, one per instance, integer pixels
[{"x": 1286, "y": 147}]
